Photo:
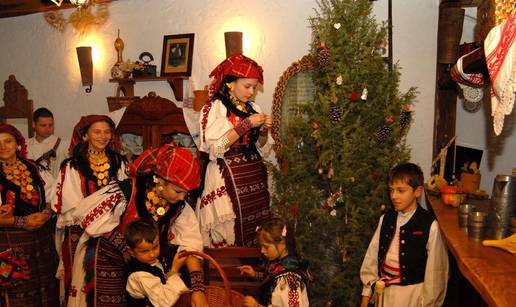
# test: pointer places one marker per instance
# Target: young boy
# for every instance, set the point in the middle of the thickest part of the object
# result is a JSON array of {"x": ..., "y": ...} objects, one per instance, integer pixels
[
  {"x": 147, "y": 284},
  {"x": 406, "y": 252}
]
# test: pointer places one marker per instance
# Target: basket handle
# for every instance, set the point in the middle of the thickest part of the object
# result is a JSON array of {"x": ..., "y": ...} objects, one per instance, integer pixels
[{"x": 227, "y": 288}]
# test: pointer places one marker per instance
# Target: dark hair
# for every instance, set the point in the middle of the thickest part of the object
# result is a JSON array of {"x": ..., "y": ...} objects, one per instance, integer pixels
[
  {"x": 41, "y": 112},
  {"x": 141, "y": 230},
  {"x": 271, "y": 232},
  {"x": 408, "y": 173}
]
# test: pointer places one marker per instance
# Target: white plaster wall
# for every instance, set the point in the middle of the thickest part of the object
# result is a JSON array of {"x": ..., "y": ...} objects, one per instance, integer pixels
[
  {"x": 475, "y": 130},
  {"x": 44, "y": 60}
]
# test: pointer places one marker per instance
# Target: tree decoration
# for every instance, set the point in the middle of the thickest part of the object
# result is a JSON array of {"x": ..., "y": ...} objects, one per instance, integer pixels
[
  {"x": 343, "y": 151},
  {"x": 405, "y": 119},
  {"x": 335, "y": 114},
  {"x": 389, "y": 119},
  {"x": 384, "y": 133},
  {"x": 324, "y": 55},
  {"x": 364, "y": 94},
  {"x": 337, "y": 25},
  {"x": 339, "y": 80}
]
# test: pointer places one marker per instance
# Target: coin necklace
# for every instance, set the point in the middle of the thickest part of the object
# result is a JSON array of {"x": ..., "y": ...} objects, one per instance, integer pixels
[
  {"x": 99, "y": 164},
  {"x": 18, "y": 174},
  {"x": 156, "y": 205}
]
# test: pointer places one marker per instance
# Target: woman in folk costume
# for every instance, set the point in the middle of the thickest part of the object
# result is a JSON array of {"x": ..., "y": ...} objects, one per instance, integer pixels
[
  {"x": 92, "y": 164},
  {"x": 235, "y": 199},
  {"x": 161, "y": 178},
  {"x": 24, "y": 223}
]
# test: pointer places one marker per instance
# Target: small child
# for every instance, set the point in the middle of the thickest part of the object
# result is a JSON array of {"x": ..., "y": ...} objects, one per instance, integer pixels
[
  {"x": 286, "y": 277},
  {"x": 147, "y": 284},
  {"x": 406, "y": 253}
]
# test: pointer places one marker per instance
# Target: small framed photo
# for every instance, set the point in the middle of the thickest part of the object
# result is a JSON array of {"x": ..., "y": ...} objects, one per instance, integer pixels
[{"x": 177, "y": 55}]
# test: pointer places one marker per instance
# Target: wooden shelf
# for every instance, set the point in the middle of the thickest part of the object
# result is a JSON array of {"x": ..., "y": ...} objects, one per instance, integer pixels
[{"x": 126, "y": 85}]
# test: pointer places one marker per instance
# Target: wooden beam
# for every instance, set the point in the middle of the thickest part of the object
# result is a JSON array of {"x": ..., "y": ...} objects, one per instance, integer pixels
[
  {"x": 460, "y": 3},
  {"x": 11, "y": 8}
]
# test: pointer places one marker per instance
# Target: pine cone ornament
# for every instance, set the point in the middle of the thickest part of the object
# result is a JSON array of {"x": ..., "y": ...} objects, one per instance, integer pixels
[
  {"x": 335, "y": 114},
  {"x": 405, "y": 119},
  {"x": 324, "y": 56},
  {"x": 383, "y": 133}
]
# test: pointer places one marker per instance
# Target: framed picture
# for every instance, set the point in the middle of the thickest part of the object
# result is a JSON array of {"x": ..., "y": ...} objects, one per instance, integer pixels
[{"x": 177, "y": 55}]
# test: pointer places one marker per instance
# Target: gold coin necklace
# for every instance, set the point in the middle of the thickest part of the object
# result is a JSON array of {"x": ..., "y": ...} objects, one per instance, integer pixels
[
  {"x": 99, "y": 164},
  {"x": 156, "y": 205},
  {"x": 240, "y": 105},
  {"x": 18, "y": 174}
]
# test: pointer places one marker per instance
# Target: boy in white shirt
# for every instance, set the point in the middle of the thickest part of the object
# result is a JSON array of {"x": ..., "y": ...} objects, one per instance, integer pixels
[
  {"x": 406, "y": 253},
  {"x": 147, "y": 283}
]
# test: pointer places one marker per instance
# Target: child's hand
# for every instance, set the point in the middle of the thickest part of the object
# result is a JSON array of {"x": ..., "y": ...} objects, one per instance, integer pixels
[
  {"x": 249, "y": 301},
  {"x": 178, "y": 262},
  {"x": 247, "y": 270}
]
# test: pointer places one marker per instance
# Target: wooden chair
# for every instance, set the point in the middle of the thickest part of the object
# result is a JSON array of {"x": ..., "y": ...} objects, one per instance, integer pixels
[
  {"x": 152, "y": 117},
  {"x": 17, "y": 103},
  {"x": 229, "y": 259}
]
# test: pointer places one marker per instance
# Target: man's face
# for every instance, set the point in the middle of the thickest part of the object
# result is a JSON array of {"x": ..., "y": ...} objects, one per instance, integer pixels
[{"x": 44, "y": 127}]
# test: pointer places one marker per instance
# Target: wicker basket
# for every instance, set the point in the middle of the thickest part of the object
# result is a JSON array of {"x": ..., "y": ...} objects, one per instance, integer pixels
[{"x": 216, "y": 296}]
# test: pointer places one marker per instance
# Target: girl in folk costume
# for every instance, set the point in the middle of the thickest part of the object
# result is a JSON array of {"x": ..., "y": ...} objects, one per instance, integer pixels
[
  {"x": 286, "y": 276},
  {"x": 161, "y": 178},
  {"x": 25, "y": 225},
  {"x": 235, "y": 198},
  {"x": 93, "y": 163}
]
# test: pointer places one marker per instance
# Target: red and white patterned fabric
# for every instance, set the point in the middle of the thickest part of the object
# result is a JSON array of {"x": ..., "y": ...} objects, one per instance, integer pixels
[
  {"x": 500, "y": 54},
  {"x": 175, "y": 164},
  {"x": 236, "y": 65}
]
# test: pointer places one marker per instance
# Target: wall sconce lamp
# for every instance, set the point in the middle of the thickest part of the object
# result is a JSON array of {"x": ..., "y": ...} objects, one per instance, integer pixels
[
  {"x": 233, "y": 42},
  {"x": 86, "y": 66}
]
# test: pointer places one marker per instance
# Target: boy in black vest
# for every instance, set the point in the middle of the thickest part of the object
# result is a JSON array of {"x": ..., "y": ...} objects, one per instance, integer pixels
[
  {"x": 147, "y": 284},
  {"x": 406, "y": 253}
]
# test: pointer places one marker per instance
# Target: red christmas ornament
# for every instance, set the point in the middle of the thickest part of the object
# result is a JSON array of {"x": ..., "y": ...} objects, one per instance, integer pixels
[
  {"x": 375, "y": 174},
  {"x": 321, "y": 45},
  {"x": 318, "y": 151},
  {"x": 389, "y": 119},
  {"x": 355, "y": 96},
  {"x": 315, "y": 125}
]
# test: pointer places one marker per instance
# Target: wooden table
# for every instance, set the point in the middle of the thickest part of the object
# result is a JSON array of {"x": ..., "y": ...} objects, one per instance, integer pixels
[{"x": 490, "y": 270}]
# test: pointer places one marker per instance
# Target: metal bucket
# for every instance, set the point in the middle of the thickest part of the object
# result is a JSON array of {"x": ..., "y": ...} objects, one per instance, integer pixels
[{"x": 502, "y": 208}]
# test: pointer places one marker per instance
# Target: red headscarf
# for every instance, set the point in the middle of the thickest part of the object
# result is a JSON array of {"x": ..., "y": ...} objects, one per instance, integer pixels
[
  {"x": 6, "y": 128},
  {"x": 82, "y": 127},
  {"x": 236, "y": 65},
  {"x": 175, "y": 164}
]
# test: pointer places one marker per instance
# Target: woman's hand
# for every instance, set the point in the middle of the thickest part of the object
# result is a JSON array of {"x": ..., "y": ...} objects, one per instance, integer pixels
[
  {"x": 247, "y": 270},
  {"x": 267, "y": 124},
  {"x": 36, "y": 220},
  {"x": 249, "y": 301},
  {"x": 199, "y": 299},
  {"x": 257, "y": 119},
  {"x": 6, "y": 210}
]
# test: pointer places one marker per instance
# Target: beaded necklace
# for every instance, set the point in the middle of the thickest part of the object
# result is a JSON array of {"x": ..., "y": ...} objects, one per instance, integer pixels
[
  {"x": 99, "y": 164},
  {"x": 156, "y": 205},
  {"x": 18, "y": 174},
  {"x": 240, "y": 105}
]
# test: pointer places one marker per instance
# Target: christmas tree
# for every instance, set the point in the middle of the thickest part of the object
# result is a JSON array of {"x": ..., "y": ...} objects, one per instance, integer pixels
[{"x": 332, "y": 183}]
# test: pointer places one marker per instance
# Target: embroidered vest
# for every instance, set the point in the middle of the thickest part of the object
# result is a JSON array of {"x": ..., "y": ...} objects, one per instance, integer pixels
[
  {"x": 137, "y": 266},
  {"x": 412, "y": 246}
]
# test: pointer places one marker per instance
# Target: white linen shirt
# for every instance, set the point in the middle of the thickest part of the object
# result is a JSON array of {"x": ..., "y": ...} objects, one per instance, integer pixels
[{"x": 431, "y": 292}]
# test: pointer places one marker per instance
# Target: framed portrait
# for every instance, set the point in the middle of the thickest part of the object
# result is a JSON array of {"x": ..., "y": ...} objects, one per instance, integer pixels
[{"x": 177, "y": 55}]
